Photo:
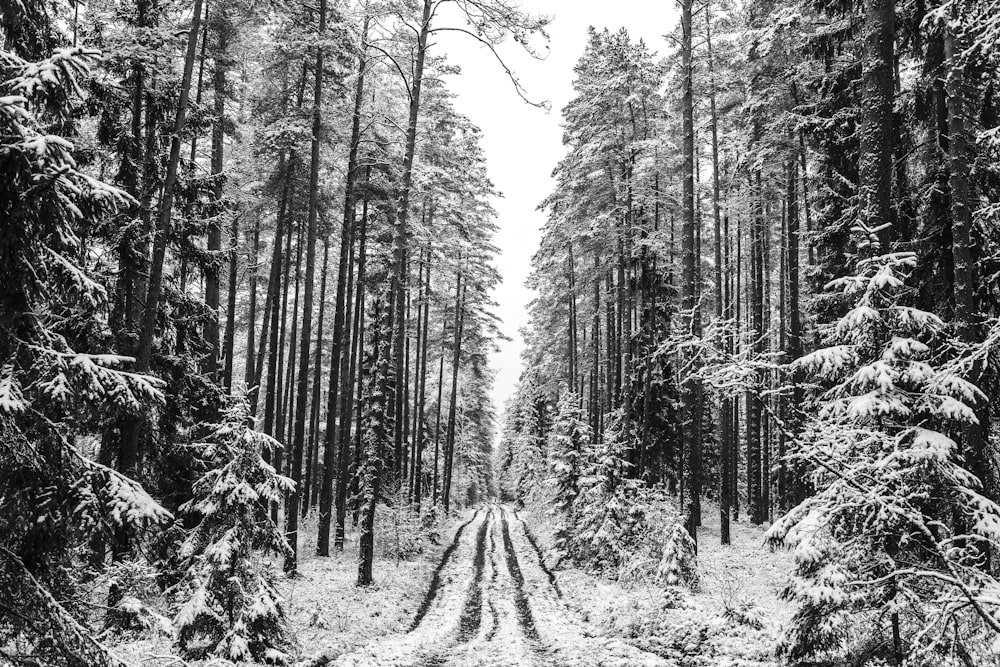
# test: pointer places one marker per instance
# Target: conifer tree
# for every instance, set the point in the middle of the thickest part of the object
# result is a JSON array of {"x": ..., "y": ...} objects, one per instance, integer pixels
[
  {"x": 233, "y": 610},
  {"x": 569, "y": 440},
  {"x": 892, "y": 538}
]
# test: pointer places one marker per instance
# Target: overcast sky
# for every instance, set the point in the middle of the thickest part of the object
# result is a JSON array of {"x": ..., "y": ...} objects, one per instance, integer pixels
[{"x": 523, "y": 143}]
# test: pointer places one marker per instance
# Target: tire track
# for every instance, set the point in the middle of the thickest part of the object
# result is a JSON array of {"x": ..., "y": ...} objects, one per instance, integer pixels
[
  {"x": 436, "y": 578},
  {"x": 494, "y": 571},
  {"x": 472, "y": 611},
  {"x": 541, "y": 557},
  {"x": 521, "y": 605}
]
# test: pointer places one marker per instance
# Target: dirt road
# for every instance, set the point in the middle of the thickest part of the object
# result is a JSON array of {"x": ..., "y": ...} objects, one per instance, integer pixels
[{"x": 491, "y": 602}]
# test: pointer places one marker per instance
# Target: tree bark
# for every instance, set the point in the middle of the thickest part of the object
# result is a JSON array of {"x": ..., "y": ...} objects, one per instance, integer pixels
[
  {"x": 688, "y": 294},
  {"x": 326, "y": 499},
  {"x": 302, "y": 392},
  {"x": 461, "y": 287},
  {"x": 877, "y": 95},
  {"x": 129, "y": 450}
]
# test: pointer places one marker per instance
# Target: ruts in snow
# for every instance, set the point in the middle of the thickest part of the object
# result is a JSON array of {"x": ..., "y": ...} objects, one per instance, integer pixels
[{"x": 491, "y": 602}]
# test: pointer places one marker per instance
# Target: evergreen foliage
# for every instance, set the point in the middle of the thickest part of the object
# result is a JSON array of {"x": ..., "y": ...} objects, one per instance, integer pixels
[
  {"x": 233, "y": 610},
  {"x": 895, "y": 535}
]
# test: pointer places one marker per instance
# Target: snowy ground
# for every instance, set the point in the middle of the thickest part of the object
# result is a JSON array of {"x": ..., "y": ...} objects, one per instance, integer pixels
[
  {"x": 484, "y": 596},
  {"x": 328, "y": 614},
  {"x": 691, "y": 628},
  {"x": 494, "y": 604}
]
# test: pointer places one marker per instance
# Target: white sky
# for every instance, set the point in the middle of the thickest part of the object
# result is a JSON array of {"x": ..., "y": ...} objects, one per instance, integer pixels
[{"x": 523, "y": 143}]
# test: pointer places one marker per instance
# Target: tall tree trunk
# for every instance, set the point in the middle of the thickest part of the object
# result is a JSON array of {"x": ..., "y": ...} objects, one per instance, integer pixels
[
  {"x": 967, "y": 314},
  {"x": 214, "y": 247},
  {"x": 421, "y": 297},
  {"x": 877, "y": 95},
  {"x": 250, "y": 372},
  {"x": 437, "y": 427},
  {"x": 230, "y": 337},
  {"x": 346, "y": 463},
  {"x": 725, "y": 435},
  {"x": 422, "y": 393},
  {"x": 754, "y": 404},
  {"x": 326, "y": 499},
  {"x": 129, "y": 451},
  {"x": 400, "y": 231},
  {"x": 375, "y": 439},
  {"x": 794, "y": 350},
  {"x": 689, "y": 389},
  {"x": 461, "y": 287},
  {"x": 274, "y": 283},
  {"x": 314, "y": 413},
  {"x": 302, "y": 392}
]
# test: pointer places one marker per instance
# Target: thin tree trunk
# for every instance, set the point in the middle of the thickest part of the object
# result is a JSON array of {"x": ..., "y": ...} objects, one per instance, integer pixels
[
  {"x": 230, "y": 337},
  {"x": 400, "y": 231},
  {"x": 129, "y": 451},
  {"x": 314, "y": 404},
  {"x": 421, "y": 297},
  {"x": 250, "y": 372},
  {"x": 326, "y": 499},
  {"x": 302, "y": 393},
  {"x": 688, "y": 292},
  {"x": 422, "y": 394},
  {"x": 437, "y": 427},
  {"x": 461, "y": 287}
]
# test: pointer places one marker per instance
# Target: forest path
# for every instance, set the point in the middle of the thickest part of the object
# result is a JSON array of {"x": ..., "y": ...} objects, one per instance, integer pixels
[{"x": 492, "y": 603}]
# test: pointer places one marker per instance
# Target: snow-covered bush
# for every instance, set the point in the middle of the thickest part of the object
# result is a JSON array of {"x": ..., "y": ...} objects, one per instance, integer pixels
[
  {"x": 233, "y": 610},
  {"x": 891, "y": 547}
]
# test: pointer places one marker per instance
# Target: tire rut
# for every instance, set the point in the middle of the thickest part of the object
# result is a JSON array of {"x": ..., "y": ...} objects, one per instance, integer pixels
[
  {"x": 494, "y": 570},
  {"x": 436, "y": 578},
  {"x": 472, "y": 612},
  {"x": 521, "y": 605},
  {"x": 541, "y": 557}
]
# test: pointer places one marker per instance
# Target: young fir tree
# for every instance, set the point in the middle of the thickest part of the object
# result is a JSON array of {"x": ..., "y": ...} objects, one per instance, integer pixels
[
  {"x": 234, "y": 611},
  {"x": 528, "y": 461},
  {"x": 568, "y": 441},
  {"x": 605, "y": 519},
  {"x": 893, "y": 540}
]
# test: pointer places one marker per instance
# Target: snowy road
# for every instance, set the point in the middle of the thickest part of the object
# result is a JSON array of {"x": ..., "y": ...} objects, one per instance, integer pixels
[{"x": 492, "y": 603}]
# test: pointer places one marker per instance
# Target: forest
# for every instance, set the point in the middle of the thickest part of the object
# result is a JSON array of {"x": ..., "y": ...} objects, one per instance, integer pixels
[{"x": 249, "y": 321}]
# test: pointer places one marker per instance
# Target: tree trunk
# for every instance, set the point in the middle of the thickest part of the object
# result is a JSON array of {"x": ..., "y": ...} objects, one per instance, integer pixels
[
  {"x": 400, "y": 231},
  {"x": 371, "y": 473},
  {"x": 314, "y": 413},
  {"x": 302, "y": 392},
  {"x": 877, "y": 95},
  {"x": 688, "y": 294},
  {"x": 461, "y": 287},
  {"x": 129, "y": 451},
  {"x": 422, "y": 393},
  {"x": 326, "y": 499},
  {"x": 250, "y": 372},
  {"x": 754, "y": 405},
  {"x": 963, "y": 244}
]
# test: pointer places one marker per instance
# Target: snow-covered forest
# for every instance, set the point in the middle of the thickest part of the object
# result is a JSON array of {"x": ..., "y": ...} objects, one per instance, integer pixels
[{"x": 249, "y": 324}]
